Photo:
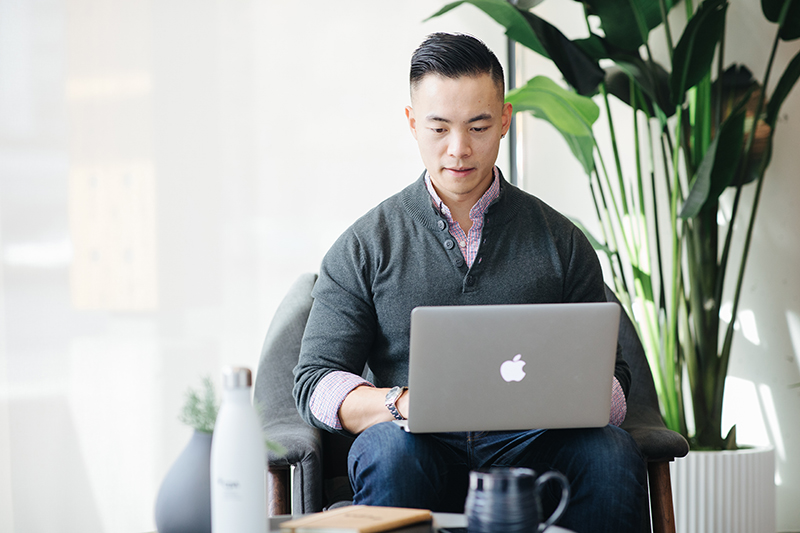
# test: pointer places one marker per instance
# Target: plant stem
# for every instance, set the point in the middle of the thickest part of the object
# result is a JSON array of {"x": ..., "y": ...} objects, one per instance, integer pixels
[
  {"x": 726, "y": 346},
  {"x": 671, "y": 330},
  {"x": 667, "y": 31},
  {"x": 745, "y": 162},
  {"x": 720, "y": 70},
  {"x": 622, "y": 189}
]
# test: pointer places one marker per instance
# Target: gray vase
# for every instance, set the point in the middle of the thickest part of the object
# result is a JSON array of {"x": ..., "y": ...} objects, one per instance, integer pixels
[{"x": 183, "y": 504}]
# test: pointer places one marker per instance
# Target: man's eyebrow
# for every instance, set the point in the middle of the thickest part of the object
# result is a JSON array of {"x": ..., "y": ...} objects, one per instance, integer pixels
[{"x": 482, "y": 116}]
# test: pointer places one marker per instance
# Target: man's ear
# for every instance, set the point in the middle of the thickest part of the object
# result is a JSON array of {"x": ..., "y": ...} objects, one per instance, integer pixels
[
  {"x": 412, "y": 122},
  {"x": 508, "y": 112}
]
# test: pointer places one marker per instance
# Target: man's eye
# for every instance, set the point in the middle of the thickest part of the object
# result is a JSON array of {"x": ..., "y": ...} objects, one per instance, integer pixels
[
  {"x": 482, "y": 129},
  {"x": 437, "y": 130}
]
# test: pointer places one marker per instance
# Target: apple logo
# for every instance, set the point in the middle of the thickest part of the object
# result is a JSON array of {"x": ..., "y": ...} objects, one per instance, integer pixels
[{"x": 512, "y": 370}]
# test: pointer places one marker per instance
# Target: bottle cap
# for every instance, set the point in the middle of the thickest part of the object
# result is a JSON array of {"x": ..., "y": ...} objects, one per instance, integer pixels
[{"x": 236, "y": 377}]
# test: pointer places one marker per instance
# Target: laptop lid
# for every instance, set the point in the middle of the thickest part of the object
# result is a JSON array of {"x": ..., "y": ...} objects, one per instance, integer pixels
[{"x": 511, "y": 367}]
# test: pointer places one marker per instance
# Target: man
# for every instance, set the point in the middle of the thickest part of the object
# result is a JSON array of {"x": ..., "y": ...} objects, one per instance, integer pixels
[{"x": 459, "y": 235}]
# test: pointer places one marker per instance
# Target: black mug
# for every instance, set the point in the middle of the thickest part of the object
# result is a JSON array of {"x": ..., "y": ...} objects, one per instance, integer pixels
[{"x": 508, "y": 500}]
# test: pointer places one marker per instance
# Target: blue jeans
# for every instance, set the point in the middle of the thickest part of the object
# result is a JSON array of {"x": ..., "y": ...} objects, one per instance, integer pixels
[{"x": 606, "y": 471}]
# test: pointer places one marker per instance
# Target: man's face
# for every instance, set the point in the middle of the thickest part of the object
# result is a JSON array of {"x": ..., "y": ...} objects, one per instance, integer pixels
[{"x": 458, "y": 124}]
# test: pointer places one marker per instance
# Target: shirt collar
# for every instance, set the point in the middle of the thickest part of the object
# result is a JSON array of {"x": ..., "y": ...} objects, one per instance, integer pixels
[{"x": 480, "y": 207}]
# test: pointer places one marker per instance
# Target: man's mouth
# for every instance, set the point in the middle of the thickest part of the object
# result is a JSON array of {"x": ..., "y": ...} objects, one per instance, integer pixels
[{"x": 459, "y": 171}]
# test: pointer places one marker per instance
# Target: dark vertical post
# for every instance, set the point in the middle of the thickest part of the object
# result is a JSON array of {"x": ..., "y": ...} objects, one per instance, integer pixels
[{"x": 513, "y": 171}]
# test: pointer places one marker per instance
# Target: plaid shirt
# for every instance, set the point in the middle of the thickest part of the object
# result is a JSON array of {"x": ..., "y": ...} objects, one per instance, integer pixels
[
  {"x": 330, "y": 392},
  {"x": 469, "y": 242}
]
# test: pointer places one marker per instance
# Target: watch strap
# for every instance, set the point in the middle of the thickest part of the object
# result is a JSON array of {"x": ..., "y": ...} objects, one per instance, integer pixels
[{"x": 391, "y": 401}]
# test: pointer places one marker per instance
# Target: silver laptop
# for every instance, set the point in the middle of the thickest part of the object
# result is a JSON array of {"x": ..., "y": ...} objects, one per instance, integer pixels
[{"x": 511, "y": 367}]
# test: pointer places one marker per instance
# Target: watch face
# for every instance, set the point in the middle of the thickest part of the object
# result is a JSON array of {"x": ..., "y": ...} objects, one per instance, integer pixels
[
  {"x": 394, "y": 394},
  {"x": 391, "y": 399}
]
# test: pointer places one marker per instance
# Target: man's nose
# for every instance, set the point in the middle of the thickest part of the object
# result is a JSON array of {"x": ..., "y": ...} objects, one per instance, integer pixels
[{"x": 459, "y": 146}]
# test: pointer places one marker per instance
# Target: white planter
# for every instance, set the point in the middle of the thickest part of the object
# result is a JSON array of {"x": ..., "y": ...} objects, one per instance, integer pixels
[{"x": 725, "y": 491}]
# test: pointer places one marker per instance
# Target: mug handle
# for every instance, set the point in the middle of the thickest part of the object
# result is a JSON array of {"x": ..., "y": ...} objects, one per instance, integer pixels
[{"x": 562, "y": 505}]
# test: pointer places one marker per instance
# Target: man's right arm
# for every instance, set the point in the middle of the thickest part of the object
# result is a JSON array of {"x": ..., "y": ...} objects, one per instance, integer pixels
[
  {"x": 365, "y": 406},
  {"x": 339, "y": 335},
  {"x": 345, "y": 401}
]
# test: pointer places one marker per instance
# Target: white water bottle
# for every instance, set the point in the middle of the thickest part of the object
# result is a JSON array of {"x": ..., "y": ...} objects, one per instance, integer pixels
[{"x": 238, "y": 470}]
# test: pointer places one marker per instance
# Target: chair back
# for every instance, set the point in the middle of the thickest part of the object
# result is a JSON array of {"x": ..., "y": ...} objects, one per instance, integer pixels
[{"x": 319, "y": 458}]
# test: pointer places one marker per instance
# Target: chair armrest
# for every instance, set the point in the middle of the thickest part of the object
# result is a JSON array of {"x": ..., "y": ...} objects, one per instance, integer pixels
[
  {"x": 659, "y": 443},
  {"x": 302, "y": 462}
]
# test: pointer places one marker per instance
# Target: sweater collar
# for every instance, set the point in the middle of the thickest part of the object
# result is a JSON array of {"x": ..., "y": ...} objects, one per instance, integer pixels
[{"x": 419, "y": 204}]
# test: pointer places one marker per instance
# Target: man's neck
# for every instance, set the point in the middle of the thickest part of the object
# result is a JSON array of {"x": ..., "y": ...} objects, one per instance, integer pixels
[
  {"x": 460, "y": 206},
  {"x": 460, "y": 209}
]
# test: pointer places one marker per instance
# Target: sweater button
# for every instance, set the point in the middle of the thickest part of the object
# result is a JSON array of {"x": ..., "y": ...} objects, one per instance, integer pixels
[
  {"x": 449, "y": 244},
  {"x": 442, "y": 225},
  {"x": 459, "y": 262},
  {"x": 470, "y": 281}
]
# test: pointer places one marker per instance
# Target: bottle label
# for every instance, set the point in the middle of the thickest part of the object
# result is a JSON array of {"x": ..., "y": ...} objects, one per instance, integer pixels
[{"x": 229, "y": 489}]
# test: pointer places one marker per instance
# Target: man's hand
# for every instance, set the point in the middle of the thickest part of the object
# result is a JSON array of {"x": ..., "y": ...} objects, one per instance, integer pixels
[{"x": 365, "y": 406}]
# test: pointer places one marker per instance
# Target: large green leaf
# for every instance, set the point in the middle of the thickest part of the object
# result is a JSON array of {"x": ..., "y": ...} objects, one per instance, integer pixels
[
  {"x": 791, "y": 26},
  {"x": 508, "y": 16},
  {"x": 718, "y": 167},
  {"x": 527, "y": 4},
  {"x": 571, "y": 114},
  {"x": 582, "y": 147},
  {"x": 782, "y": 90},
  {"x": 593, "y": 46},
  {"x": 618, "y": 19},
  {"x": 694, "y": 52},
  {"x": 568, "y": 112},
  {"x": 651, "y": 78},
  {"x": 579, "y": 69}
]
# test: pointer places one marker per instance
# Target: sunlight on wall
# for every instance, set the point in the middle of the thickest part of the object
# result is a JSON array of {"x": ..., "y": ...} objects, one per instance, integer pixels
[
  {"x": 746, "y": 322},
  {"x": 768, "y": 408},
  {"x": 752, "y": 408},
  {"x": 793, "y": 323},
  {"x": 742, "y": 407}
]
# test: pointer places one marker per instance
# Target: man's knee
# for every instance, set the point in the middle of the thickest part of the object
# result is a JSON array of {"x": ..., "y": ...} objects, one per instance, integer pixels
[
  {"x": 385, "y": 449},
  {"x": 388, "y": 466}
]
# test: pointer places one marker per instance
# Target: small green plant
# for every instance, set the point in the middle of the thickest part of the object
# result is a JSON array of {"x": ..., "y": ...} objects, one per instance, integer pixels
[{"x": 201, "y": 407}]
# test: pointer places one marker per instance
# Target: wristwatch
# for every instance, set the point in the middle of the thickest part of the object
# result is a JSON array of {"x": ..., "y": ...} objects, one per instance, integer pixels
[{"x": 391, "y": 401}]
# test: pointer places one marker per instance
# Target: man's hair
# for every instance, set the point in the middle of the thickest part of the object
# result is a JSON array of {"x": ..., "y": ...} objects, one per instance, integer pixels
[{"x": 454, "y": 55}]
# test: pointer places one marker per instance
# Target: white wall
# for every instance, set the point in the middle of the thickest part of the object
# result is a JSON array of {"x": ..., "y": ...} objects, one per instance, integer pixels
[
  {"x": 167, "y": 169},
  {"x": 763, "y": 396}
]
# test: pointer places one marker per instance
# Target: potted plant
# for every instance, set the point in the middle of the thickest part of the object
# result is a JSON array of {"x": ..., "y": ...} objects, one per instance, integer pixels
[
  {"x": 701, "y": 128},
  {"x": 184, "y": 499}
]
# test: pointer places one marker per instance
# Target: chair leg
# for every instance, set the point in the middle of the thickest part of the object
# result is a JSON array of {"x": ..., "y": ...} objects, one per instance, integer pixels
[
  {"x": 661, "y": 497},
  {"x": 278, "y": 487}
]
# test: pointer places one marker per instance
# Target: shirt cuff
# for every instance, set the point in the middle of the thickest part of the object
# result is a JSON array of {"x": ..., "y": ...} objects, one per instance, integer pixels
[
  {"x": 329, "y": 394},
  {"x": 619, "y": 406}
]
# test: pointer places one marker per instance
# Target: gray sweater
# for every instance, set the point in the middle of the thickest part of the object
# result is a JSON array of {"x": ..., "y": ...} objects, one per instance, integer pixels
[{"x": 400, "y": 255}]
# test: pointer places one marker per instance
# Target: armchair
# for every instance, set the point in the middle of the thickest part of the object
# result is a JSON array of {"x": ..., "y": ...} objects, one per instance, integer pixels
[{"x": 313, "y": 476}]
